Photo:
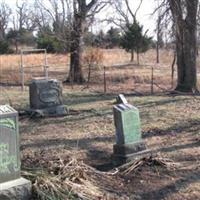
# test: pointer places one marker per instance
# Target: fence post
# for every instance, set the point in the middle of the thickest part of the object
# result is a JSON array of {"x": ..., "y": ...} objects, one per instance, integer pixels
[
  {"x": 46, "y": 65},
  {"x": 172, "y": 70},
  {"x": 104, "y": 78},
  {"x": 152, "y": 80},
  {"x": 22, "y": 71}
]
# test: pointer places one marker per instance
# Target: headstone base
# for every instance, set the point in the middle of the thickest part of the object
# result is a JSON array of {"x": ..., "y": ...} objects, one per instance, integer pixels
[
  {"x": 52, "y": 111},
  {"x": 128, "y": 152},
  {"x": 19, "y": 189}
]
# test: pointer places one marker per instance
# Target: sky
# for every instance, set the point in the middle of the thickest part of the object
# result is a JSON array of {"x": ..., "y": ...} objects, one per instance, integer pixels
[{"x": 143, "y": 15}]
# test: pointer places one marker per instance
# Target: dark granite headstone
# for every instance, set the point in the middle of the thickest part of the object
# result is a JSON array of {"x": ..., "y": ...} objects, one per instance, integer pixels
[{"x": 46, "y": 97}]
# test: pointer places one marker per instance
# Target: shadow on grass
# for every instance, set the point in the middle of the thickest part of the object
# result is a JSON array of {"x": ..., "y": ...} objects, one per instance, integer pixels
[
  {"x": 76, "y": 99},
  {"x": 161, "y": 102},
  {"x": 192, "y": 125},
  {"x": 73, "y": 99},
  {"x": 80, "y": 144},
  {"x": 177, "y": 147},
  {"x": 76, "y": 118},
  {"x": 174, "y": 187},
  {"x": 96, "y": 156}
]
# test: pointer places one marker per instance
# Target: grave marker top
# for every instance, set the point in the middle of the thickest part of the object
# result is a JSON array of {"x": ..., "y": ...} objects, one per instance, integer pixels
[
  {"x": 121, "y": 99},
  {"x": 6, "y": 110}
]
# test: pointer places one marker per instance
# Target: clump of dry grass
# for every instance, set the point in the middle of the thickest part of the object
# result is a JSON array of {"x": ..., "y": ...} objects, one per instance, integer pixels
[
  {"x": 66, "y": 180},
  {"x": 147, "y": 161}
]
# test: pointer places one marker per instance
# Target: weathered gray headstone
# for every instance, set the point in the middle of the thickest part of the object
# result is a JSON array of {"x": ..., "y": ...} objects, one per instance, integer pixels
[
  {"x": 129, "y": 142},
  {"x": 121, "y": 99},
  {"x": 10, "y": 180},
  {"x": 46, "y": 97}
]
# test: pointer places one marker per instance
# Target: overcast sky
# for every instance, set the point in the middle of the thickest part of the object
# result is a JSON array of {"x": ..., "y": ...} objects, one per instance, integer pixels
[{"x": 143, "y": 15}]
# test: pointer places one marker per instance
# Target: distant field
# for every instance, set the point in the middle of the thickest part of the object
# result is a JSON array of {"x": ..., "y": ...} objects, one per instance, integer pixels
[{"x": 120, "y": 73}]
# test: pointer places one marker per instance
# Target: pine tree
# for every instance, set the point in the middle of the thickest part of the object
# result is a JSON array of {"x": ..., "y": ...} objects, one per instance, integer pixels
[{"x": 134, "y": 40}]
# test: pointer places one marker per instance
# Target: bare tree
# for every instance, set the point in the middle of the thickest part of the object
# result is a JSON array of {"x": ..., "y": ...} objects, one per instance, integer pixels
[
  {"x": 55, "y": 16},
  {"x": 24, "y": 17},
  {"x": 5, "y": 12},
  {"x": 124, "y": 15},
  {"x": 184, "y": 15},
  {"x": 163, "y": 25},
  {"x": 70, "y": 20},
  {"x": 181, "y": 22},
  {"x": 82, "y": 12},
  {"x": 158, "y": 36}
]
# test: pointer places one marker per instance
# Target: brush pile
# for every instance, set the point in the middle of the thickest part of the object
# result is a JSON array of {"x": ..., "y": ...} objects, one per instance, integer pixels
[{"x": 70, "y": 180}]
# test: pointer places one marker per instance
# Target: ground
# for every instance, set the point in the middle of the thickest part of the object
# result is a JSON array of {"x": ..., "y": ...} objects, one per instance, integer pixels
[{"x": 170, "y": 128}]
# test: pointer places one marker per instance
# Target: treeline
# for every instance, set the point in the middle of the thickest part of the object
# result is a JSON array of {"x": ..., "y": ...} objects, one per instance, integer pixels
[
  {"x": 45, "y": 38},
  {"x": 34, "y": 25}
]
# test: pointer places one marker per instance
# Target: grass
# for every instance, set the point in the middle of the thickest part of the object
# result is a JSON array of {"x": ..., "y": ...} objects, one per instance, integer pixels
[
  {"x": 170, "y": 128},
  {"x": 59, "y": 66}
]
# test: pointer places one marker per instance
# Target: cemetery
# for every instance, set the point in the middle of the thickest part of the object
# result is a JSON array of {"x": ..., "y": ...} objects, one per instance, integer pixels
[
  {"x": 86, "y": 144},
  {"x": 99, "y": 100}
]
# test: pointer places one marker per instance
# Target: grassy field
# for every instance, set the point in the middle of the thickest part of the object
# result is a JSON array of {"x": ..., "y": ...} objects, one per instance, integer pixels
[
  {"x": 121, "y": 75},
  {"x": 170, "y": 128}
]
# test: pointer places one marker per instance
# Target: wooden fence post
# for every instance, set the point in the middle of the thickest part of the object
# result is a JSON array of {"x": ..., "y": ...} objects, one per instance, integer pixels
[
  {"x": 22, "y": 71},
  {"x": 104, "y": 78},
  {"x": 46, "y": 65},
  {"x": 152, "y": 80}
]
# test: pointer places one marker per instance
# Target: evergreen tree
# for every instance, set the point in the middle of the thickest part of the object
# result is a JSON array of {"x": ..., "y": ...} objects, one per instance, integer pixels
[
  {"x": 113, "y": 37},
  {"x": 47, "y": 40},
  {"x": 134, "y": 40}
]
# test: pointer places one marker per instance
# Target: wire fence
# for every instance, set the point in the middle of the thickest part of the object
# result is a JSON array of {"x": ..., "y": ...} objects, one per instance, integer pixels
[
  {"x": 131, "y": 78},
  {"x": 108, "y": 78}
]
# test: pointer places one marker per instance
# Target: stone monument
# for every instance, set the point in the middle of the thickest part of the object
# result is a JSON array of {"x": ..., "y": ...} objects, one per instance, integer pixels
[
  {"x": 46, "y": 97},
  {"x": 121, "y": 99},
  {"x": 129, "y": 143},
  {"x": 12, "y": 186}
]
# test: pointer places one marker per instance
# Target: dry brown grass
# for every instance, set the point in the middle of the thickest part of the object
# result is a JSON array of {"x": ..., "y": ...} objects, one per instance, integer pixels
[
  {"x": 111, "y": 57},
  {"x": 119, "y": 78}
]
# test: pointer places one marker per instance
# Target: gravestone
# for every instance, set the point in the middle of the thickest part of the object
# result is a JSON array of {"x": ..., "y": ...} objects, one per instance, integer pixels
[
  {"x": 11, "y": 185},
  {"x": 121, "y": 99},
  {"x": 46, "y": 97},
  {"x": 129, "y": 143}
]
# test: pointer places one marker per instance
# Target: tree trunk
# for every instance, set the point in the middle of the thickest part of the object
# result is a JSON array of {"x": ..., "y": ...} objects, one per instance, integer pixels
[
  {"x": 157, "y": 53},
  {"x": 172, "y": 70},
  {"x": 186, "y": 56},
  {"x": 138, "y": 57},
  {"x": 81, "y": 9},
  {"x": 16, "y": 47},
  {"x": 76, "y": 73},
  {"x": 185, "y": 19},
  {"x": 132, "y": 55}
]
